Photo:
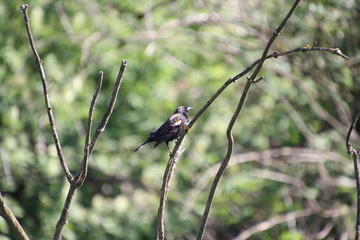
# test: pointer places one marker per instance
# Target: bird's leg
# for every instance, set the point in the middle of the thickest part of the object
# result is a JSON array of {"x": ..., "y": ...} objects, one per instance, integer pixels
[{"x": 167, "y": 144}]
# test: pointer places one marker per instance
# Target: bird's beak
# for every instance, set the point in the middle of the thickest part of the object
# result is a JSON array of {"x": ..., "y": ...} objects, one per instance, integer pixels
[{"x": 189, "y": 108}]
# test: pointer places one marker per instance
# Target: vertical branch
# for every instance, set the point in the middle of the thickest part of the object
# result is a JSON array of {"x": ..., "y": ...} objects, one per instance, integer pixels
[
  {"x": 11, "y": 220},
  {"x": 224, "y": 163},
  {"x": 226, "y": 160},
  {"x": 60, "y": 226},
  {"x": 82, "y": 171},
  {"x": 169, "y": 172},
  {"x": 39, "y": 62},
  {"x": 355, "y": 154}
]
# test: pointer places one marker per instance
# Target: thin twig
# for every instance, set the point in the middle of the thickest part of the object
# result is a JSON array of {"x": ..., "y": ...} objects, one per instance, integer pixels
[
  {"x": 39, "y": 62},
  {"x": 169, "y": 172},
  {"x": 105, "y": 119},
  {"x": 355, "y": 154},
  {"x": 11, "y": 221},
  {"x": 82, "y": 171},
  {"x": 225, "y": 162},
  {"x": 307, "y": 49}
]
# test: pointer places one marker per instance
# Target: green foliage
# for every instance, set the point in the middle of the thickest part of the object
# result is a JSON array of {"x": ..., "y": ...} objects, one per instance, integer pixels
[{"x": 179, "y": 53}]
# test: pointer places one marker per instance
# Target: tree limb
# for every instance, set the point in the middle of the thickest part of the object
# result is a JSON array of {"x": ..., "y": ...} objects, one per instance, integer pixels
[
  {"x": 39, "y": 62},
  {"x": 226, "y": 160}
]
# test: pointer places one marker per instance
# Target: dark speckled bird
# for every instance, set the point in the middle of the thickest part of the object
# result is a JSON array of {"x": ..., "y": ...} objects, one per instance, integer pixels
[{"x": 170, "y": 130}]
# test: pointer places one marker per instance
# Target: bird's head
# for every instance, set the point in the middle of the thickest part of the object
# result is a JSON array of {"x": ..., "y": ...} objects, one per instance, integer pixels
[{"x": 183, "y": 110}]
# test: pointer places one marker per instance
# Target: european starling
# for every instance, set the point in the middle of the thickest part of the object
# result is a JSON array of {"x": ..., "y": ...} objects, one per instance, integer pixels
[{"x": 170, "y": 130}]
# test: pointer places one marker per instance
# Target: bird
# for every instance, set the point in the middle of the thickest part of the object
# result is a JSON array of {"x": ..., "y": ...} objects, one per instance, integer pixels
[{"x": 171, "y": 129}]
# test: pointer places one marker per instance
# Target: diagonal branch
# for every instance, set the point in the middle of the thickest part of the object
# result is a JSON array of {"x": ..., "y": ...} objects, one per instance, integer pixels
[
  {"x": 11, "y": 220},
  {"x": 39, "y": 62}
]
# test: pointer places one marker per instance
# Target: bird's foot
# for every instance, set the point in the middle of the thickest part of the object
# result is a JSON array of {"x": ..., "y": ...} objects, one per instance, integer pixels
[{"x": 186, "y": 128}]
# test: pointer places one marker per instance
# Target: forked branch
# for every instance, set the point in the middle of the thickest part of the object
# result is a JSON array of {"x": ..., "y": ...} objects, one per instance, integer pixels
[{"x": 88, "y": 146}]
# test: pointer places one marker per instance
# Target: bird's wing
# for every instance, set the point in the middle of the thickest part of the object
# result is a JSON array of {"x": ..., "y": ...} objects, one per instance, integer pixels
[
  {"x": 170, "y": 127},
  {"x": 176, "y": 120}
]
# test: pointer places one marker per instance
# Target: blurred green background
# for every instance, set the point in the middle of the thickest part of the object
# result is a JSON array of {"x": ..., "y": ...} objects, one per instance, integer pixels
[{"x": 290, "y": 168}]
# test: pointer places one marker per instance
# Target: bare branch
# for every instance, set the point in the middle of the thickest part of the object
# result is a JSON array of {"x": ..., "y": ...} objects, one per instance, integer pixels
[
  {"x": 355, "y": 154},
  {"x": 168, "y": 174},
  {"x": 60, "y": 226},
  {"x": 39, "y": 62},
  {"x": 104, "y": 121},
  {"x": 11, "y": 220},
  {"x": 82, "y": 171}
]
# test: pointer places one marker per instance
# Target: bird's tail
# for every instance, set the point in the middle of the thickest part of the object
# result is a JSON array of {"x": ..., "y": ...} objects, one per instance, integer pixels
[{"x": 141, "y": 145}]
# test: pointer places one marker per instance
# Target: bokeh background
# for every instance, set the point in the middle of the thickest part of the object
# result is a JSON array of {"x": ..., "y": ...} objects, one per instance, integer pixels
[{"x": 290, "y": 176}]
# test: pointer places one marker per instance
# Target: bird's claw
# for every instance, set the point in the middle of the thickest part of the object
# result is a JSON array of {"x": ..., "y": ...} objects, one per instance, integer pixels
[{"x": 186, "y": 128}]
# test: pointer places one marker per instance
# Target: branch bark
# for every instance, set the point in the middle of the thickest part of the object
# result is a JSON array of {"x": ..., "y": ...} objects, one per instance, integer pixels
[
  {"x": 355, "y": 154},
  {"x": 11, "y": 220},
  {"x": 168, "y": 174}
]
